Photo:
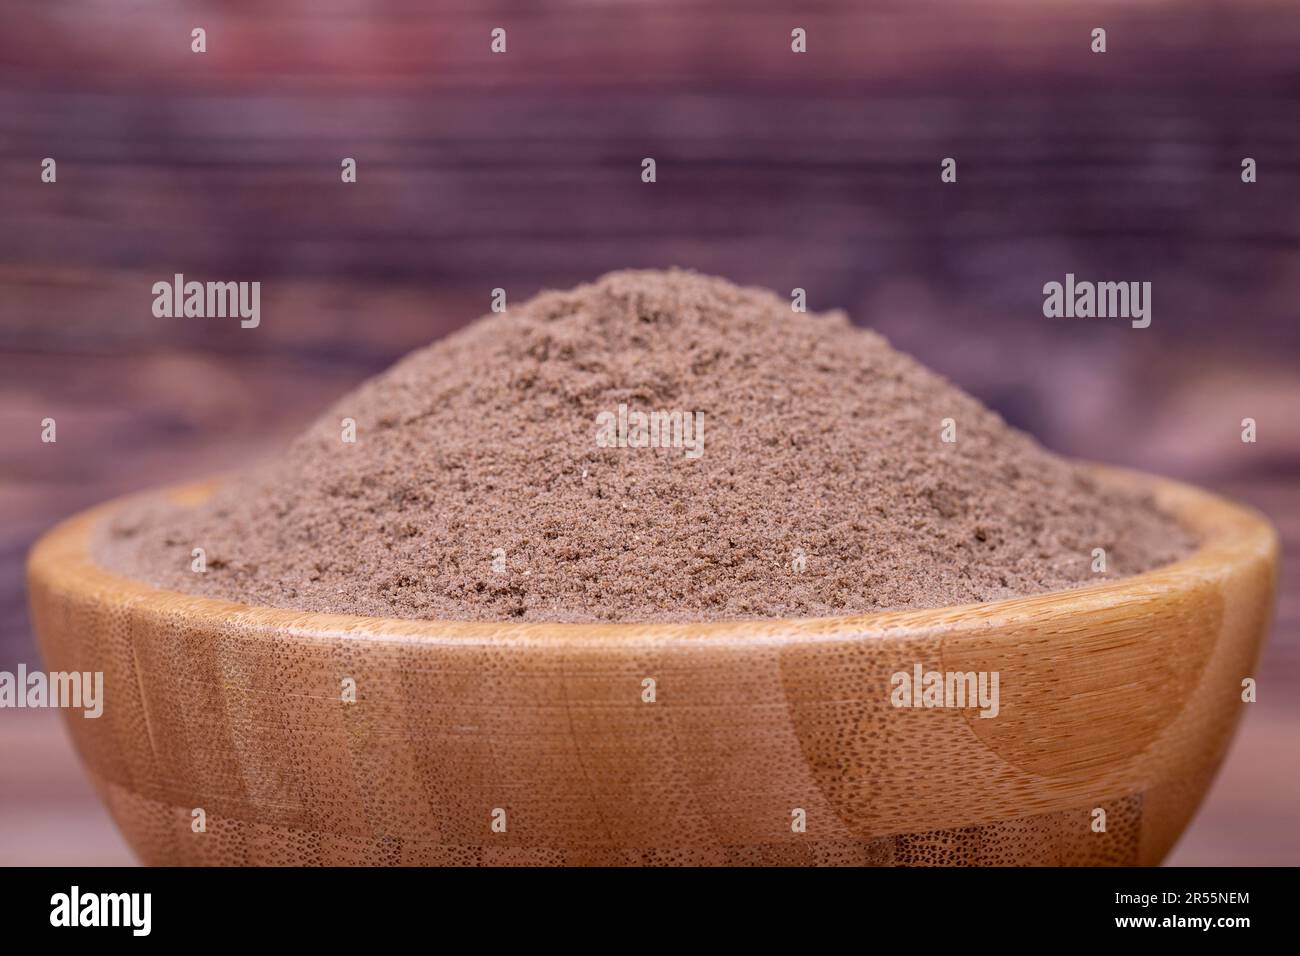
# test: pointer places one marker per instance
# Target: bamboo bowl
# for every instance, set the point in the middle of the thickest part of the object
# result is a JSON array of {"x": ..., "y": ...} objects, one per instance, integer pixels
[{"x": 1120, "y": 697}]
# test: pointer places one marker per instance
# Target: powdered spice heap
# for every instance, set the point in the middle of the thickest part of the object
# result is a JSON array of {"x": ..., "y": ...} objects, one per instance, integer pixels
[{"x": 476, "y": 488}]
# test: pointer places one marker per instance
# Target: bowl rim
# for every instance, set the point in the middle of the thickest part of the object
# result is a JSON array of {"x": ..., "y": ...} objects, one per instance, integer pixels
[{"x": 1229, "y": 535}]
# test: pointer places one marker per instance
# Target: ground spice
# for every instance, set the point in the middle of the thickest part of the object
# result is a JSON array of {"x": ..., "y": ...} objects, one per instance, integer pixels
[{"x": 494, "y": 476}]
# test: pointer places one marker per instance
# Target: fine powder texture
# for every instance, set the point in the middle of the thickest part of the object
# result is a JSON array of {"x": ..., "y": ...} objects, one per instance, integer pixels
[{"x": 476, "y": 489}]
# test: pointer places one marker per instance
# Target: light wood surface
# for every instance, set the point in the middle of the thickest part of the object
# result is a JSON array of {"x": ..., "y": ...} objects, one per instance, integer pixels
[{"x": 1122, "y": 696}]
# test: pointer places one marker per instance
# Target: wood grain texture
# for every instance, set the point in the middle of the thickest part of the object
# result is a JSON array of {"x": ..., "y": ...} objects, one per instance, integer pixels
[{"x": 1122, "y": 696}]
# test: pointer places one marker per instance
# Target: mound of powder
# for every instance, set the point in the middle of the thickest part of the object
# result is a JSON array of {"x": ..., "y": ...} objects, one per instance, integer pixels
[{"x": 477, "y": 486}]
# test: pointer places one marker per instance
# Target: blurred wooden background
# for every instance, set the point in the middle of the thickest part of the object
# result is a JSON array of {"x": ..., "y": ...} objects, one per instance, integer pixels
[{"x": 522, "y": 171}]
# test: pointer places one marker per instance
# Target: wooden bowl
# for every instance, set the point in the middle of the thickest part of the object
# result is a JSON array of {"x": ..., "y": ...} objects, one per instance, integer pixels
[{"x": 474, "y": 743}]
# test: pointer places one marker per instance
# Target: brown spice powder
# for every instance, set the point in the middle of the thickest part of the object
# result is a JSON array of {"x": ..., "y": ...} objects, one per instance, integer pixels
[{"x": 476, "y": 489}]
